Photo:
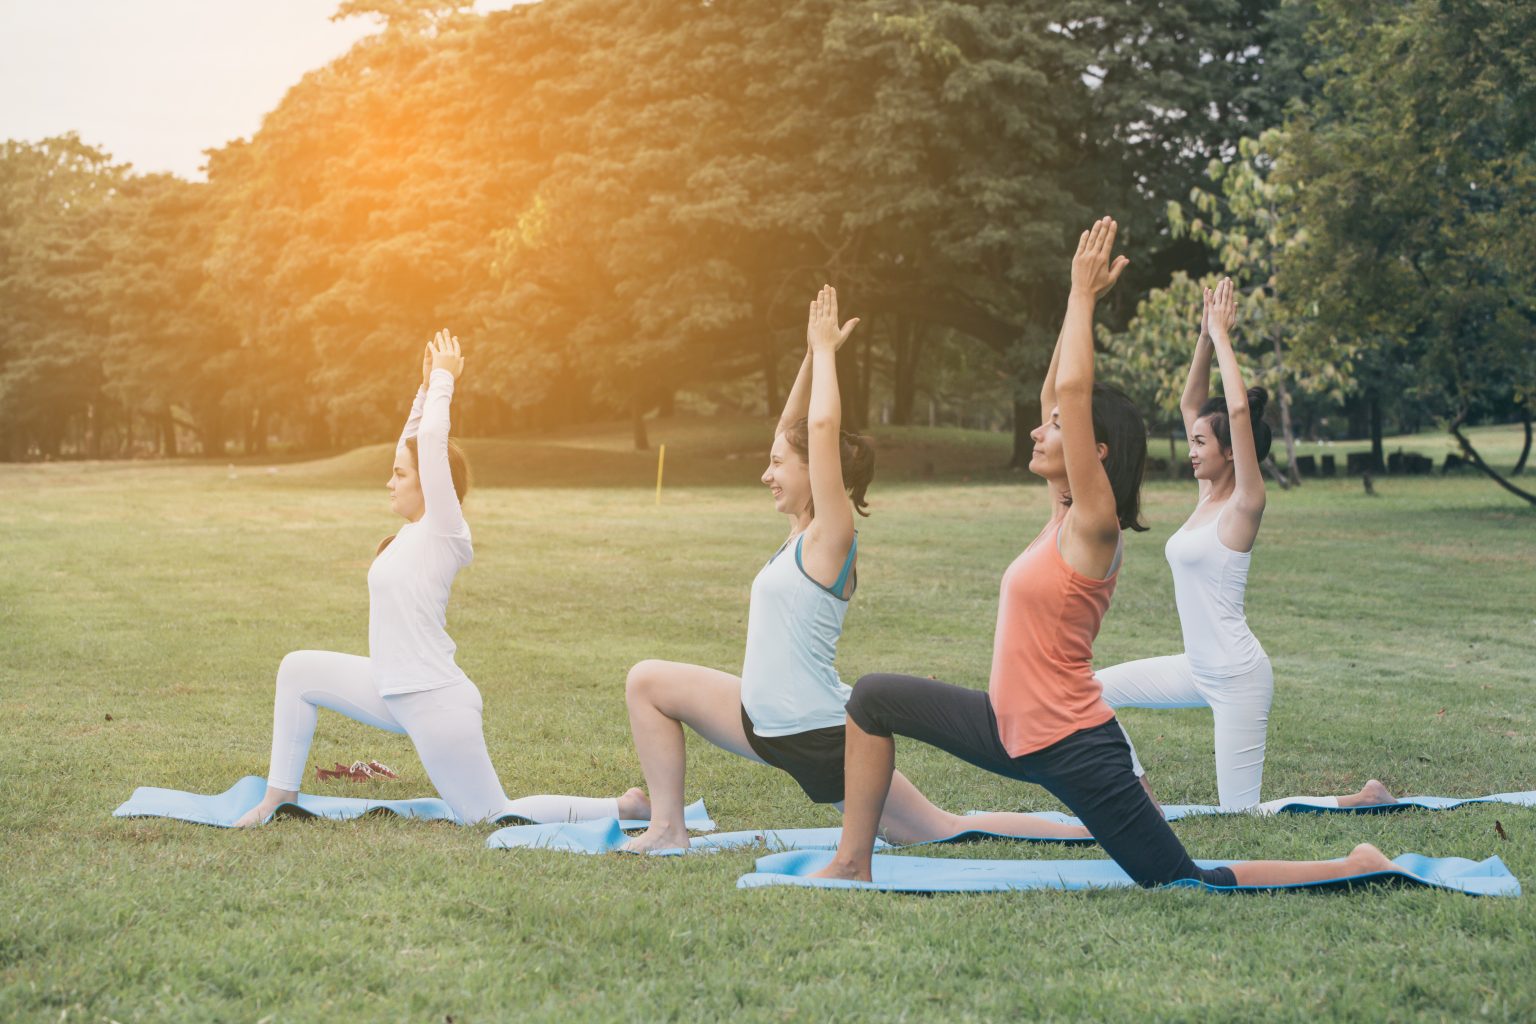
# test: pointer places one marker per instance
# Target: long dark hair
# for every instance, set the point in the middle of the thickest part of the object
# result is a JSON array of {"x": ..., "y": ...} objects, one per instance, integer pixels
[
  {"x": 1215, "y": 409},
  {"x": 855, "y": 451},
  {"x": 1119, "y": 424},
  {"x": 458, "y": 468}
]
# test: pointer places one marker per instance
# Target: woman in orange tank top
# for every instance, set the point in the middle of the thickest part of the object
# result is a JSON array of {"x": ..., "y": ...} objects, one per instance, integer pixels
[{"x": 1043, "y": 718}]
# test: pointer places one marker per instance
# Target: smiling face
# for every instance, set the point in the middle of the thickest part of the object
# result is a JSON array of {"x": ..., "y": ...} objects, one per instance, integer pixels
[
  {"x": 1205, "y": 455},
  {"x": 788, "y": 477},
  {"x": 404, "y": 486}
]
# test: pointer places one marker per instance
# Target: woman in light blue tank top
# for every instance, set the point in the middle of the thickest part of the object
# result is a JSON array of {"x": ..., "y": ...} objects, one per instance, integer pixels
[{"x": 786, "y": 707}]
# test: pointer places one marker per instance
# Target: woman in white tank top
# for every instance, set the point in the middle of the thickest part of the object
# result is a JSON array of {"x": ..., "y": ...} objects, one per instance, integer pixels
[
  {"x": 786, "y": 707},
  {"x": 1223, "y": 666}
]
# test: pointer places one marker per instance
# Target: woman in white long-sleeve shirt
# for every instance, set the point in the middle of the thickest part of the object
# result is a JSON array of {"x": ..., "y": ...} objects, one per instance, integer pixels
[{"x": 410, "y": 683}]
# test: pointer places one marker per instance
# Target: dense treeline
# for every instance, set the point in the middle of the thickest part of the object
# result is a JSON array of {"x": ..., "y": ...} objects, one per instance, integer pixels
[{"x": 619, "y": 201}]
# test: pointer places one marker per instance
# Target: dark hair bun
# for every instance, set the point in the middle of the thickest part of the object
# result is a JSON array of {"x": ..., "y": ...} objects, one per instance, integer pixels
[{"x": 1258, "y": 400}]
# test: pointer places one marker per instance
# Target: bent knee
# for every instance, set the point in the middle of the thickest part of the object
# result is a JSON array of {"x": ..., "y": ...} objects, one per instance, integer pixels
[{"x": 642, "y": 679}]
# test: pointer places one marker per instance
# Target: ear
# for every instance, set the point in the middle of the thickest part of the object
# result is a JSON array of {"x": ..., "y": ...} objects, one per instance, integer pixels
[{"x": 1103, "y": 450}]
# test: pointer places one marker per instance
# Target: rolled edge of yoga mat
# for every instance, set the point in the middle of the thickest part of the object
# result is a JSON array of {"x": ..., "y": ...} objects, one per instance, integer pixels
[{"x": 1489, "y": 877}]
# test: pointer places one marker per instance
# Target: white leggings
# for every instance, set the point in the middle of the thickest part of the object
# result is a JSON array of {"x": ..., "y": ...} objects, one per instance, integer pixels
[
  {"x": 1239, "y": 705},
  {"x": 443, "y": 724}
]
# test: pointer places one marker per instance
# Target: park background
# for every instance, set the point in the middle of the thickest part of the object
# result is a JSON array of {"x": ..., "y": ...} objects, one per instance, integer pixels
[{"x": 621, "y": 208}]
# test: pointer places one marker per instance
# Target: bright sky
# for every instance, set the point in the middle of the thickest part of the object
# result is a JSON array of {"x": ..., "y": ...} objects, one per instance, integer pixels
[{"x": 156, "y": 82}]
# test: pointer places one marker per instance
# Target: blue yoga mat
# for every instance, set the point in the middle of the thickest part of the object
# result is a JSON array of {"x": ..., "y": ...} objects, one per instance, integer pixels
[
  {"x": 224, "y": 809},
  {"x": 608, "y": 836},
  {"x": 934, "y": 874},
  {"x": 1299, "y": 805}
]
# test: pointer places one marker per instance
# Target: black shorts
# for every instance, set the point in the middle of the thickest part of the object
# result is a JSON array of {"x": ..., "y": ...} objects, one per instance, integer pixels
[
  {"x": 1089, "y": 771},
  {"x": 813, "y": 758}
]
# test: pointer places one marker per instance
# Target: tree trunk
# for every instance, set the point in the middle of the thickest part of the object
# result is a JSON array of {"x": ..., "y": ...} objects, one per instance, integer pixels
[
  {"x": 167, "y": 434},
  {"x": 1378, "y": 457},
  {"x": 642, "y": 439},
  {"x": 905, "y": 342},
  {"x": 1286, "y": 429},
  {"x": 1026, "y": 417},
  {"x": 866, "y": 378},
  {"x": 1525, "y": 418},
  {"x": 848, "y": 384},
  {"x": 771, "y": 394},
  {"x": 1477, "y": 460}
]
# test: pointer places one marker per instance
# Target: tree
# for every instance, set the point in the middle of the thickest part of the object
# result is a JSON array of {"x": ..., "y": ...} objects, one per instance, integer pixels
[{"x": 1415, "y": 172}]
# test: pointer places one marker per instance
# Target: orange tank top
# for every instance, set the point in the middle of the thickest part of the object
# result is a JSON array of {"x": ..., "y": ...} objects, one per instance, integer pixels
[{"x": 1043, "y": 688}]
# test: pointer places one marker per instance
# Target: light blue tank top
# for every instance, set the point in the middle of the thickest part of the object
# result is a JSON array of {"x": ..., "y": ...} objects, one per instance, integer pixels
[{"x": 789, "y": 683}]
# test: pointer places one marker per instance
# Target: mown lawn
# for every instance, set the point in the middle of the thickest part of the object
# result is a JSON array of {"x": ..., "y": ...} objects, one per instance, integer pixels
[{"x": 144, "y": 610}]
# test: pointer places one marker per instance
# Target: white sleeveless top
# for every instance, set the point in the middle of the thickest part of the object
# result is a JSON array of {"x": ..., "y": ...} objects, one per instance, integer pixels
[
  {"x": 789, "y": 683},
  {"x": 1209, "y": 580}
]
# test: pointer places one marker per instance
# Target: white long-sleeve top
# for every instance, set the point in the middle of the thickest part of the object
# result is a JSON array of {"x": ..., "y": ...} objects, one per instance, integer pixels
[{"x": 409, "y": 583}]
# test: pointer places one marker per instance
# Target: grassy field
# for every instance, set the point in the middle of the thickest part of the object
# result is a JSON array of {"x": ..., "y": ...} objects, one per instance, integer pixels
[{"x": 144, "y": 609}]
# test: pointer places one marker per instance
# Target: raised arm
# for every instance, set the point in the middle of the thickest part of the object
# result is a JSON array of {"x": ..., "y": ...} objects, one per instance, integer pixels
[
  {"x": 1092, "y": 528},
  {"x": 798, "y": 405},
  {"x": 830, "y": 534},
  {"x": 443, "y": 514},
  {"x": 413, "y": 419},
  {"x": 1198, "y": 387},
  {"x": 1248, "y": 489}
]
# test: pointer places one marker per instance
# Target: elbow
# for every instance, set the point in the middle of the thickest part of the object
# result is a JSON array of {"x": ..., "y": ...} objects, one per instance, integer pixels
[
  {"x": 1238, "y": 409},
  {"x": 1075, "y": 387},
  {"x": 821, "y": 424}
]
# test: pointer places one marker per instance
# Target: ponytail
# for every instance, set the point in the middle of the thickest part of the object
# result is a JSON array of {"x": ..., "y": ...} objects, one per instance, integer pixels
[{"x": 856, "y": 454}]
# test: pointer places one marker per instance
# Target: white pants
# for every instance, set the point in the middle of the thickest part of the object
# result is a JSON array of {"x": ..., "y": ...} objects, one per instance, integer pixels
[
  {"x": 443, "y": 724},
  {"x": 1239, "y": 705}
]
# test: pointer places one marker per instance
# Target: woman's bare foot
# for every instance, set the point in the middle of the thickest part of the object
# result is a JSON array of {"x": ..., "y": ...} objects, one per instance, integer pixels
[
  {"x": 657, "y": 837},
  {"x": 1373, "y": 792},
  {"x": 845, "y": 870},
  {"x": 257, "y": 815},
  {"x": 1365, "y": 859},
  {"x": 634, "y": 805}
]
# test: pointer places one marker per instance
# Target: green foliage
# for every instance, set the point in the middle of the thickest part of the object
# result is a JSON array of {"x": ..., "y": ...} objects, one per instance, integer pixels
[{"x": 1415, "y": 171}]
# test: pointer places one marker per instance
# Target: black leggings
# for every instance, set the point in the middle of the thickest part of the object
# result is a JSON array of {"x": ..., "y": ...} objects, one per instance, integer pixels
[{"x": 1089, "y": 771}]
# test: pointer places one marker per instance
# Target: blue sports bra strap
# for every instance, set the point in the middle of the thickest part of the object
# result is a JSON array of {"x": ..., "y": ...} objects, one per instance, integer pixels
[{"x": 842, "y": 577}]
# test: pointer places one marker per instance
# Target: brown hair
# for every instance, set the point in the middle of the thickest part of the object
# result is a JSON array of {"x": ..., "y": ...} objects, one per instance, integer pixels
[
  {"x": 855, "y": 451},
  {"x": 458, "y": 468}
]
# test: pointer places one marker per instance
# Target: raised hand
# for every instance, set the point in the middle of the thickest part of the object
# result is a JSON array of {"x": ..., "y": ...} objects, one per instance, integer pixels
[
  {"x": 1205, "y": 316},
  {"x": 821, "y": 330},
  {"x": 446, "y": 354},
  {"x": 1092, "y": 271},
  {"x": 1221, "y": 311},
  {"x": 426, "y": 365}
]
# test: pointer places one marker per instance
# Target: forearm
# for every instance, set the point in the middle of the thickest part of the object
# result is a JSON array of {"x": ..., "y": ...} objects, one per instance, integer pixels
[
  {"x": 1197, "y": 388},
  {"x": 797, "y": 405},
  {"x": 824, "y": 404},
  {"x": 1245, "y": 462},
  {"x": 437, "y": 491},
  {"x": 1048, "y": 386},
  {"x": 1073, "y": 362},
  {"x": 413, "y": 419}
]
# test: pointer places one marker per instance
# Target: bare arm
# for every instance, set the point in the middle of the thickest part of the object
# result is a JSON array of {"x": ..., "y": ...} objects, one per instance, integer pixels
[
  {"x": 798, "y": 404},
  {"x": 1092, "y": 528},
  {"x": 830, "y": 534},
  {"x": 1248, "y": 490},
  {"x": 1198, "y": 387}
]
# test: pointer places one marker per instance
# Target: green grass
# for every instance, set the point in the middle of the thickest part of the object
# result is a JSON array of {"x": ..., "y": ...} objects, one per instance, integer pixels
[{"x": 1402, "y": 627}]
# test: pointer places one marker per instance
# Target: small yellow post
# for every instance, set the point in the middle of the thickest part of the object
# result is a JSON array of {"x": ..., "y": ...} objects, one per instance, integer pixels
[{"x": 661, "y": 460}]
